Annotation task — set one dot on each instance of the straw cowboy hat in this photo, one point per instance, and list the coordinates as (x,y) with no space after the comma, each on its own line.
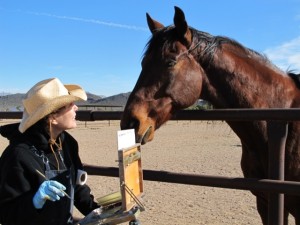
(46,97)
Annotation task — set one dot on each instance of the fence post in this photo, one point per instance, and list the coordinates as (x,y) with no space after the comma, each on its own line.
(277,133)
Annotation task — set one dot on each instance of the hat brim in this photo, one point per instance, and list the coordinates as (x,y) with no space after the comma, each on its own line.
(76,93)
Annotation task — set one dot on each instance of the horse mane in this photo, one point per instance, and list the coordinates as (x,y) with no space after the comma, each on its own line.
(160,39)
(214,43)
(295,77)
(165,37)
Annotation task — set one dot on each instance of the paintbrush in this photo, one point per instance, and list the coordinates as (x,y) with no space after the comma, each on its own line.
(48,179)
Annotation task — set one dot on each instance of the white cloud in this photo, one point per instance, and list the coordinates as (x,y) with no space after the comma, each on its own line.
(286,56)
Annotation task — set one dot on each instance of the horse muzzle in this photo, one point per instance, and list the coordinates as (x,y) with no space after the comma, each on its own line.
(146,136)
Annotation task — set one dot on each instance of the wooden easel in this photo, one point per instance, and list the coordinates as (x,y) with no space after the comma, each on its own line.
(123,206)
(131,177)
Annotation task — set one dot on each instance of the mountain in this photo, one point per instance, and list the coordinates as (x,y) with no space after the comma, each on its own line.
(92,97)
(4,93)
(13,102)
(119,100)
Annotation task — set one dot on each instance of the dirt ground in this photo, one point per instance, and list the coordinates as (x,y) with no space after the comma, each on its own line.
(208,148)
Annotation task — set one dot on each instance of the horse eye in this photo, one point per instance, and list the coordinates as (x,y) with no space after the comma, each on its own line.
(171,63)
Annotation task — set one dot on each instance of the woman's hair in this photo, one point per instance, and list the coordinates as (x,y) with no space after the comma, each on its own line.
(42,125)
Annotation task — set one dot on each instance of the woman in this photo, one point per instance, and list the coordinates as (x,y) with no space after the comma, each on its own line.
(38,169)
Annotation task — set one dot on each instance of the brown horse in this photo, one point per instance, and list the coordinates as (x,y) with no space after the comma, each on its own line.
(182,64)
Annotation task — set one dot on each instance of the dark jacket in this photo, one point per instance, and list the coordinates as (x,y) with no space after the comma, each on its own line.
(19,180)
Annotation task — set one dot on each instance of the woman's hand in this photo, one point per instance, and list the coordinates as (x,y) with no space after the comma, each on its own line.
(48,190)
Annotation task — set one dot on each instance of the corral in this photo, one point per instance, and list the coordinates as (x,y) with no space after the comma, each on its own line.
(198,147)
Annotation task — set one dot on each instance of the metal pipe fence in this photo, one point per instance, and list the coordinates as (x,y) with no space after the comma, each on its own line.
(214,114)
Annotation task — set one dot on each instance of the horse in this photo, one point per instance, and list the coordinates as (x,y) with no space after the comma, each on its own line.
(181,65)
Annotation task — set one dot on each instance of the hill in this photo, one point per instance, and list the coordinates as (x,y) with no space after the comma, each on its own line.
(119,100)
(13,102)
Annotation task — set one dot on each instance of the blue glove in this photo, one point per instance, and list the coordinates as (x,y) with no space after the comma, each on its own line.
(48,190)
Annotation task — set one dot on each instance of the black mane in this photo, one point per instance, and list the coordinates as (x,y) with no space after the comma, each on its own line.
(295,77)
(215,42)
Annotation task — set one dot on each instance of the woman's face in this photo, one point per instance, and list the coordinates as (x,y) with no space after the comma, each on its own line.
(64,119)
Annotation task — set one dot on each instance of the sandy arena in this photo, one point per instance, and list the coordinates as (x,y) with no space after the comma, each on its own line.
(208,148)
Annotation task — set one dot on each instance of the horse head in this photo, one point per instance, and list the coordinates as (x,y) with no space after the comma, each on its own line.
(170,79)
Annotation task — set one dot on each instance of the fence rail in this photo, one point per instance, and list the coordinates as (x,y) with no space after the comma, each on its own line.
(267,185)
(215,114)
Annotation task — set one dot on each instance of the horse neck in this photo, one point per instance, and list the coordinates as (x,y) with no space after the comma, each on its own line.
(233,79)
(236,80)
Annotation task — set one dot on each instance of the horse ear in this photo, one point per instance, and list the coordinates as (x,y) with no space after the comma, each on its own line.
(182,26)
(153,25)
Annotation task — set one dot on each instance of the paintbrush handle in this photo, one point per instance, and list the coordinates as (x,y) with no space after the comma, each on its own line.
(41,174)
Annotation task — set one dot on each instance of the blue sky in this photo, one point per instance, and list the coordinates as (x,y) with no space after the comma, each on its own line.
(99,44)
